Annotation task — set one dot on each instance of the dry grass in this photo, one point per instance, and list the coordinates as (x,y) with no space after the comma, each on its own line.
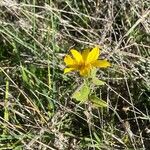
(37,111)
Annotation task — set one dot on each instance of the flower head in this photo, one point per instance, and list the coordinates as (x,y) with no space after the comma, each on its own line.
(85,61)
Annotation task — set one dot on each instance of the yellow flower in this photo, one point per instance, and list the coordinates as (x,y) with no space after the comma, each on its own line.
(85,61)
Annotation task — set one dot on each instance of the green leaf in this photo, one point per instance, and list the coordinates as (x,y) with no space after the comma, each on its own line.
(82,94)
(96,81)
(97,102)
(93,73)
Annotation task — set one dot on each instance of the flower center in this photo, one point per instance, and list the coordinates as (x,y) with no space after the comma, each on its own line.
(84,66)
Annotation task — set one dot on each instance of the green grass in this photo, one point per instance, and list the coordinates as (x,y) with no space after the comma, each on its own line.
(36,108)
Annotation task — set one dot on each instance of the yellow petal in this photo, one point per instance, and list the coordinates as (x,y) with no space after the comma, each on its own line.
(66,70)
(85,53)
(77,56)
(93,55)
(101,63)
(68,60)
(84,72)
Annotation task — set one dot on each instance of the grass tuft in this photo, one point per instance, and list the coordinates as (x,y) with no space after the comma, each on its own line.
(36,106)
